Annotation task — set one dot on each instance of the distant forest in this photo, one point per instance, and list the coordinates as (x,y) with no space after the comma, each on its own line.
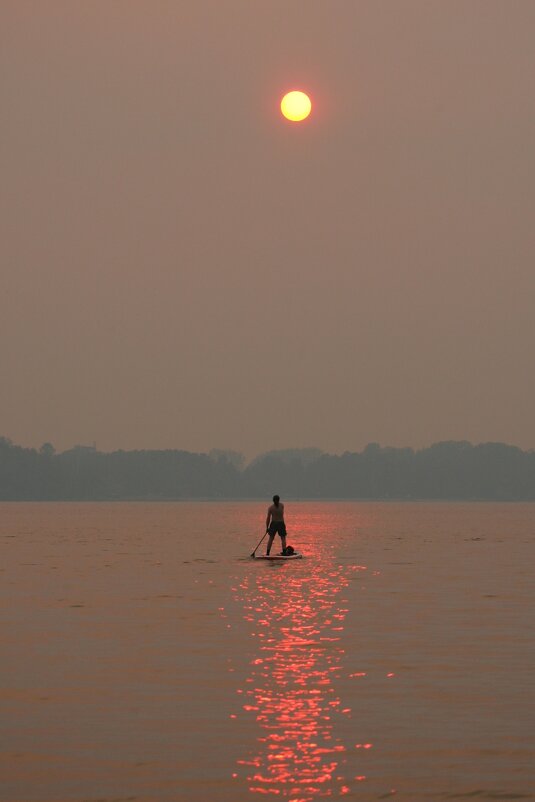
(448,470)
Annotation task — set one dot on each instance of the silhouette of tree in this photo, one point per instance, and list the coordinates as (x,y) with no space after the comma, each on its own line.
(447,470)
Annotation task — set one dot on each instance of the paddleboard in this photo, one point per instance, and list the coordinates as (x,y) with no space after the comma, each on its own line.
(295,556)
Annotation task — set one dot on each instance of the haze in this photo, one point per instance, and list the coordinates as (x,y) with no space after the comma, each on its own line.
(181,268)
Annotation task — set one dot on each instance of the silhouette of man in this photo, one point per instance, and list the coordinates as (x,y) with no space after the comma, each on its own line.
(275,523)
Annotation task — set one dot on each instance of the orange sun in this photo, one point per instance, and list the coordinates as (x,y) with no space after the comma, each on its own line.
(296,106)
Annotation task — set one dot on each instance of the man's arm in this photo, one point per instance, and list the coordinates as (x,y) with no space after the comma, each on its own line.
(268,519)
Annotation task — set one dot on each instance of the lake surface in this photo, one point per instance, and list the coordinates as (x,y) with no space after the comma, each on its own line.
(147,657)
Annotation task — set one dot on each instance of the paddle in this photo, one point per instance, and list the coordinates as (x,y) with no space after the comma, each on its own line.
(259,542)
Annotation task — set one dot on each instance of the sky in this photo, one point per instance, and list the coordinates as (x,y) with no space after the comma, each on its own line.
(182,268)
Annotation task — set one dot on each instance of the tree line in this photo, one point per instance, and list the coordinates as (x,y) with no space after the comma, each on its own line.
(447,470)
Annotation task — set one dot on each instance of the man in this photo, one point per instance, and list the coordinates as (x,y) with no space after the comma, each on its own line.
(275,523)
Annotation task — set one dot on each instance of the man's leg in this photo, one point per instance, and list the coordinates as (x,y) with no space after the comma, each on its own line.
(282,532)
(270,543)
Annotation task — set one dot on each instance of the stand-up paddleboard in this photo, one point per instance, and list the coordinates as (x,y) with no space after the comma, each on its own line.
(295,556)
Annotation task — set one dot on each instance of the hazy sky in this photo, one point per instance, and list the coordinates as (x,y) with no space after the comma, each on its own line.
(182,268)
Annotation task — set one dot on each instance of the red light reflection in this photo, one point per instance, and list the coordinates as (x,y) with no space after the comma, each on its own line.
(297,612)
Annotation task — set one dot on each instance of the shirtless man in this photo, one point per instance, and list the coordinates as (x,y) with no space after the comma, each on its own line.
(275,523)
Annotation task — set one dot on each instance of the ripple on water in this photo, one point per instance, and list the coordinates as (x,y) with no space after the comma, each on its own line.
(297,618)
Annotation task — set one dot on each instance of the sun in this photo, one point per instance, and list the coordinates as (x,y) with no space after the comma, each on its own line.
(296,106)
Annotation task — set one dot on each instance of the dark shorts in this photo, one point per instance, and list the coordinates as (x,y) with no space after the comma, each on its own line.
(277,528)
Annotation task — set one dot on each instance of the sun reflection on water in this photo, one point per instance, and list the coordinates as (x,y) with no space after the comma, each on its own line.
(297,612)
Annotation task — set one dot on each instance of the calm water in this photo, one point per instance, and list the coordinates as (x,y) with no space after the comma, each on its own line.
(146,658)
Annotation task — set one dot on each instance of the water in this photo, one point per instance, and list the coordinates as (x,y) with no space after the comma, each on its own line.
(146,657)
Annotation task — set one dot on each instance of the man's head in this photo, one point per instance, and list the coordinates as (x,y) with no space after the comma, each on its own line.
(276,500)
